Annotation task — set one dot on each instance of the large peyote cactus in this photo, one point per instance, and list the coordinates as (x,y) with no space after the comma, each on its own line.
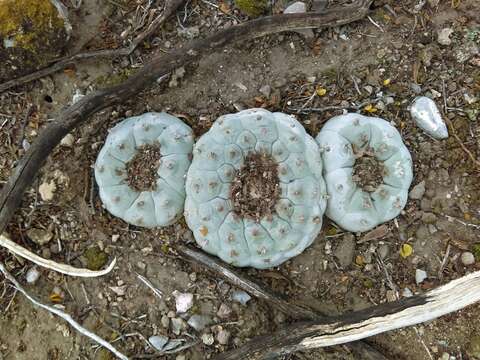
(255,192)
(141,169)
(367,169)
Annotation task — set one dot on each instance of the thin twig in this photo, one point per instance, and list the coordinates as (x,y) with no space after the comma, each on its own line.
(328,108)
(61,314)
(156,291)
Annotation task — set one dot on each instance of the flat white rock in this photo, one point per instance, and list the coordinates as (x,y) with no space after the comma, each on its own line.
(420,275)
(183,301)
(426,115)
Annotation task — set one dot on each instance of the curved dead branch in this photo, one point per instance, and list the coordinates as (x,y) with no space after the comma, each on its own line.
(52,265)
(28,166)
(349,327)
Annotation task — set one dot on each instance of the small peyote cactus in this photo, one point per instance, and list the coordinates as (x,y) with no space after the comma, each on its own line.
(141,169)
(255,192)
(367,169)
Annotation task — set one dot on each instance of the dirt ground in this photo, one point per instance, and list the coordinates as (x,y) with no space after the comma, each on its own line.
(378,65)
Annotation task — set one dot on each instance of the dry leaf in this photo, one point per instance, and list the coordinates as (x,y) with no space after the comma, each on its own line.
(406,250)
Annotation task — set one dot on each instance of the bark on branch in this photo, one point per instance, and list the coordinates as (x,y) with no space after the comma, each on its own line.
(361,349)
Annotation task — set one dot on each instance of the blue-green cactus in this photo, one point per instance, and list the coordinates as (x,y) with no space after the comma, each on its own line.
(343,140)
(161,204)
(297,216)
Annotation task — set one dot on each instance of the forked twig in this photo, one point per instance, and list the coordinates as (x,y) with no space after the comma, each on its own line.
(62,314)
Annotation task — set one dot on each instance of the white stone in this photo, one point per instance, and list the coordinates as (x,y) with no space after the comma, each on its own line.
(295,8)
(47,190)
(223,336)
(199,322)
(241,297)
(32,275)
(420,276)
(68,140)
(444,36)
(158,342)
(467,258)
(183,301)
(426,115)
(298,8)
(208,339)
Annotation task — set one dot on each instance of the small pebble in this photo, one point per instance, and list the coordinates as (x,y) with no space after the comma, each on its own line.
(32,275)
(224,311)
(39,236)
(345,250)
(295,8)
(223,336)
(420,276)
(417,191)
(47,190)
(445,356)
(177,325)
(266,90)
(444,36)
(383,251)
(208,339)
(407,292)
(429,218)
(199,322)
(241,297)
(165,321)
(426,115)
(183,301)
(158,342)
(68,140)
(467,258)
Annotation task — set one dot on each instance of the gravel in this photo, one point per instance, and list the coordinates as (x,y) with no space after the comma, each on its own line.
(467,258)
(417,191)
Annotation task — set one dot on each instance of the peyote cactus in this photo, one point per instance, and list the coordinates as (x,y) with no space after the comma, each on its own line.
(367,169)
(141,169)
(255,192)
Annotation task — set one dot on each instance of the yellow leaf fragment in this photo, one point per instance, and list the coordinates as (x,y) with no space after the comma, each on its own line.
(406,250)
(321,91)
(387,82)
(370,108)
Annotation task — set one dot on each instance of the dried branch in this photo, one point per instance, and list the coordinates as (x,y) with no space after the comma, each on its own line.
(242,282)
(49,264)
(161,65)
(62,314)
(170,7)
(362,349)
(349,327)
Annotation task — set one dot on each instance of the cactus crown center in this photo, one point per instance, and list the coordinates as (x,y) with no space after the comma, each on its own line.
(368,171)
(142,168)
(256,187)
